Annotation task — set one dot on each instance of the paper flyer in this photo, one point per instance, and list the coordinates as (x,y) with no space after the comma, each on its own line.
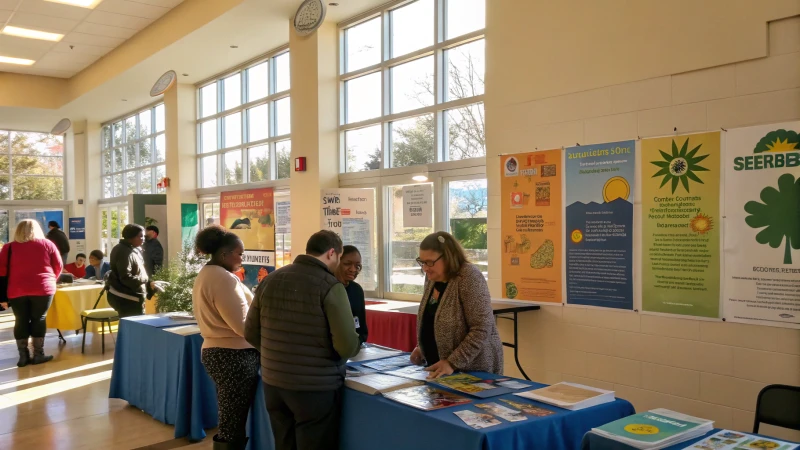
(502,412)
(350,213)
(477,420)
(734,440)
(600,189)
(531,225)
(681,224)
(762,225)
(528,409)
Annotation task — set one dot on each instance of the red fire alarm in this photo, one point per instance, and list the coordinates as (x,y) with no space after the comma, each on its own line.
(300,164)
(163,183)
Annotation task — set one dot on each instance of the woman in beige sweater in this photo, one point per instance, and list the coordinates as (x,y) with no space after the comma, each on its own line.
(220,304)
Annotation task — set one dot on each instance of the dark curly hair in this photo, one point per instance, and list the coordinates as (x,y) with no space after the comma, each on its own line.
(214,239)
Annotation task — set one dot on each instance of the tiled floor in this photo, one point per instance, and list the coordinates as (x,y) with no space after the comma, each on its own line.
(64,404)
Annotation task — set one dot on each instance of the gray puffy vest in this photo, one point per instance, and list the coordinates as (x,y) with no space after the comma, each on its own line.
(296,347)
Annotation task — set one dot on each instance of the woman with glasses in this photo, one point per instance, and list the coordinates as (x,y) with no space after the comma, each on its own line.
(455,324)
(347,272)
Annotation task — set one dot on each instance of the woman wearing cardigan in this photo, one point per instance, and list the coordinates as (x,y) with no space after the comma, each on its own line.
(220,304)
(35,266)
(456,329)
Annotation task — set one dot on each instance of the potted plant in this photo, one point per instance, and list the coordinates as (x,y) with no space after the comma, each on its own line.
(180,274)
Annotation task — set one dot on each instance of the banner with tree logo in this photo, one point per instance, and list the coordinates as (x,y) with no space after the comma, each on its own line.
(762,225)
(531,209)
(681,224)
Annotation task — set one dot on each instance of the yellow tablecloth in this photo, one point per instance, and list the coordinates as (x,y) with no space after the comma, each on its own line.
(69,302)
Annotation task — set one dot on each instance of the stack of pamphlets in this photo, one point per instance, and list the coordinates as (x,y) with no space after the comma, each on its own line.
(471,385)
(655,429)
(570,396)
(378,383)
(413,372)
(182,316)
(373,352)
(734,440)
(426,398)
(183,330)
(389,363)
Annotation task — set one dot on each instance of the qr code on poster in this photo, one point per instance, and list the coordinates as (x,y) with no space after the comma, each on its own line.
(549,170)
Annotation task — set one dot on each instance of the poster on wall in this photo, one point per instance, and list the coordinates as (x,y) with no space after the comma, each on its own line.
(599,182)
(77,228)
(417,207)
(283,217)
(190,223)
(681,224)
(531,208)
(762,225)
(250,214)
(350,213)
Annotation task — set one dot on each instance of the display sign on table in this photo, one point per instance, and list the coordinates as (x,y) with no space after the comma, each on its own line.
(599,182)
(531,227)
(681,224)
(417,206)
(350,213)
(762,225)
(250,214)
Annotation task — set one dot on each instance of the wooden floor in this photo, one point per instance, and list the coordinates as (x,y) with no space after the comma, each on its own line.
(64,404)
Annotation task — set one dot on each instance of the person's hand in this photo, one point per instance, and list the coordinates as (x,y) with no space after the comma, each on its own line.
(4,305)
(440,369)
(416,357)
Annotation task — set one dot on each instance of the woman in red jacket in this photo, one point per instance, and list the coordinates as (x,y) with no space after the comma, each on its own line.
(34,268)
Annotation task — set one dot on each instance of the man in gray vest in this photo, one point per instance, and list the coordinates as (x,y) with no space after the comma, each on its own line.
(301,321)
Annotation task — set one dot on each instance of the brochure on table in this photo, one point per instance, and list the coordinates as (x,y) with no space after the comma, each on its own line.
(655,429)
(370,353)
(426,398)
(734,440)
(570,396)
(378,383)
(472,385)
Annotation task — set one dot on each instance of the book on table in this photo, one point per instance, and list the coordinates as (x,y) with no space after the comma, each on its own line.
(570,396)
(354,370)
(426,397)
(655,429)
(389,363)
(378,383)
(373,352)
(472,385)
(413,372)
(735,440)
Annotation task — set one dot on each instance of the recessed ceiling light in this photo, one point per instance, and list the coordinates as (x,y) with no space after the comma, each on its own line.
(333,4)
(20,61)
(31,34)
(124,99)
(185,74)
(419,178)
(80,3)
(234,46)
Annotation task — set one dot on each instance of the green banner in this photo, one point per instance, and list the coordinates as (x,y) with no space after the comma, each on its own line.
(681,224)
(189,222)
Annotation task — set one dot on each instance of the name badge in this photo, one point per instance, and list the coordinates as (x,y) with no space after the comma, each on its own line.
(355,319)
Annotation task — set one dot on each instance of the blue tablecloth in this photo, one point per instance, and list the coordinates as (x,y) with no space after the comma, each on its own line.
(160,373)
(372,421)
(593,441)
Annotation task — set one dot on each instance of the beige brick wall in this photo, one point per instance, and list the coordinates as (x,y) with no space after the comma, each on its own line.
(705,368)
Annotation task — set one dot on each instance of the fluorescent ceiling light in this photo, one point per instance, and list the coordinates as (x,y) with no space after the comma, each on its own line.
(81,3)
(32,34)
(419,178)
(20,61)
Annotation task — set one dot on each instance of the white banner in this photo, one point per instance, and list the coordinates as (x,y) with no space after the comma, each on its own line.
(762,225)
(417,206)
(350,213)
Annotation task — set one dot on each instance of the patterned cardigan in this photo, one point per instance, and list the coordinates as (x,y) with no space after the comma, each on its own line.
(464,325)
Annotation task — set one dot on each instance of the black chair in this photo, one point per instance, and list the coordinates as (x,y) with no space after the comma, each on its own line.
(103,315)
(779,405)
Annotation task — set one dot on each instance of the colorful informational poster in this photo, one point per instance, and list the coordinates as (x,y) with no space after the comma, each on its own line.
(350,213)
(77,228)
(762,225)
(190,223)
(417,207)
(599,224)
(681,224)
(531,208)
(250,214)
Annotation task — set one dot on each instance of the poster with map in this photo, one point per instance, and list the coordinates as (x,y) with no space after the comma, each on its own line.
(599,224)
(762,225)
(681,224)
(531,225)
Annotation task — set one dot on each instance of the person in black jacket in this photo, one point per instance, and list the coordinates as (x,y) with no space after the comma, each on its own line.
(347,272)
(153,251)
(128,280)
(58,237)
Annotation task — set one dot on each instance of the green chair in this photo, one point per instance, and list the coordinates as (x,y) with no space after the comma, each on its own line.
(102,315)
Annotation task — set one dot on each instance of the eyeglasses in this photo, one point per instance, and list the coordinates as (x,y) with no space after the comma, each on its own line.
(429,263)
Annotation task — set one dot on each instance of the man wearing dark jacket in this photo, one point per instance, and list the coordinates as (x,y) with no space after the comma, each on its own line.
(58,237)
(127,280)
(301,321)
(153,251)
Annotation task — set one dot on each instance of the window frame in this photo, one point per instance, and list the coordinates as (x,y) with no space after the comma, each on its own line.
(272,140)
(440,105)
(10,174)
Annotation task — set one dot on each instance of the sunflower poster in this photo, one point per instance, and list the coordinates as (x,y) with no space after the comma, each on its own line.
(251,215)
(762,225)
(681,224)
(531,225)
(599,224)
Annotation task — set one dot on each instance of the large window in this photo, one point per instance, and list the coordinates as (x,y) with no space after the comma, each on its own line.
(113,219)
(133,153)
(244,125)
(31,166)
(414,99)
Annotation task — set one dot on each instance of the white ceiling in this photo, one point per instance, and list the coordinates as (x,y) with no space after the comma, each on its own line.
(88,33)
